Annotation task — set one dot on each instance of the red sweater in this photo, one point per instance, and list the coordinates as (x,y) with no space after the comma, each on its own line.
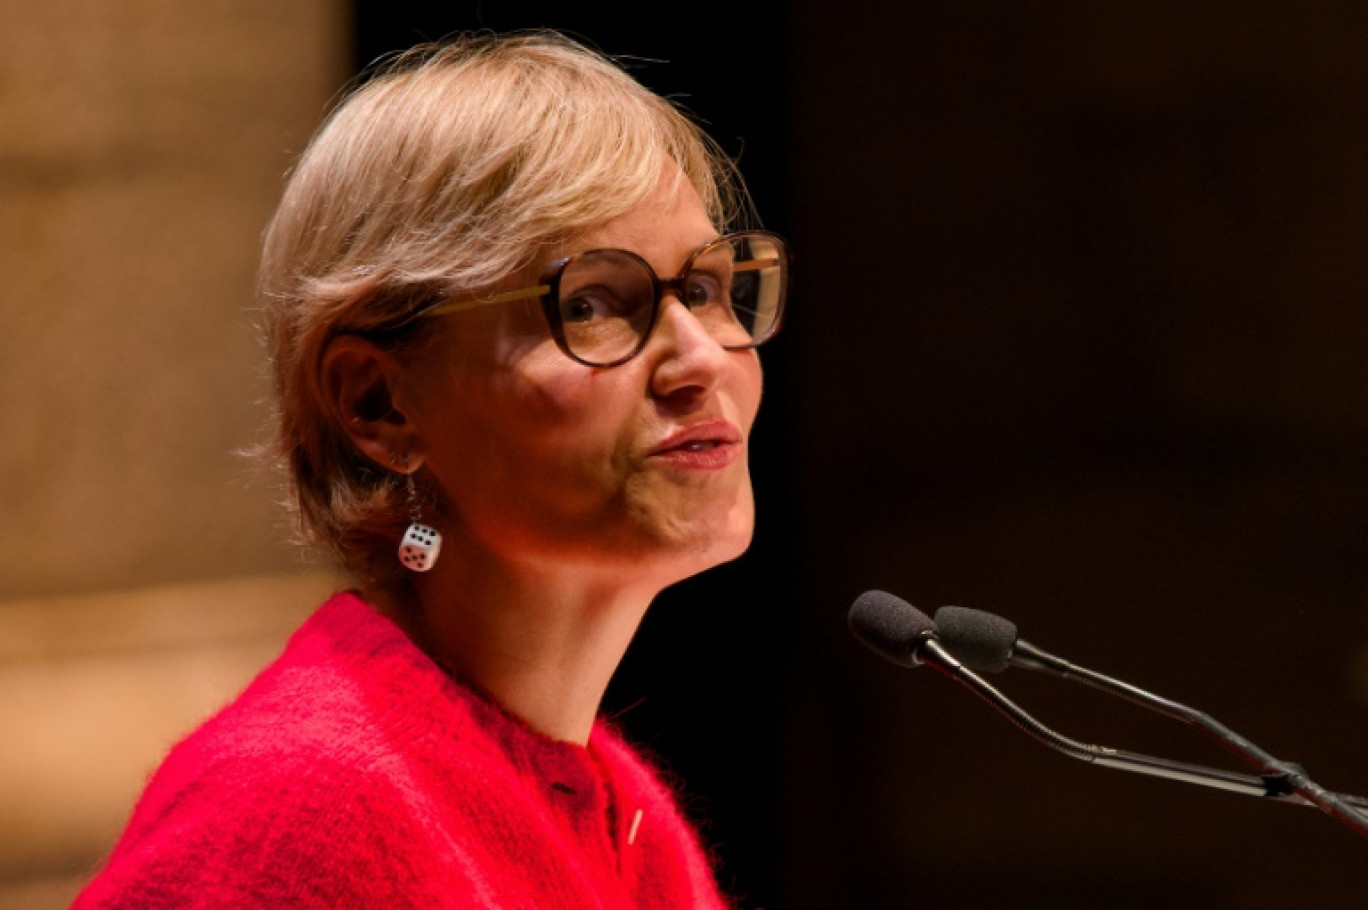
(353,773)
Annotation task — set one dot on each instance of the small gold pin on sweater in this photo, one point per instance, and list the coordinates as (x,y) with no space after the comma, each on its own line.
(632,831)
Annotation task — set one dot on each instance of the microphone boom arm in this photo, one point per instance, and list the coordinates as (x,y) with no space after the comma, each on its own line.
(1281,781)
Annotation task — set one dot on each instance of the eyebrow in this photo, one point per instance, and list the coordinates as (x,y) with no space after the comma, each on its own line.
(541,290)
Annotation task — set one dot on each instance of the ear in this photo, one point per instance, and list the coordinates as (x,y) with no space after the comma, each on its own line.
(361,389)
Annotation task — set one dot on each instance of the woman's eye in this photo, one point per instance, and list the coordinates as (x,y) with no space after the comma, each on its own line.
(578,309)
(587,306)
(701,291)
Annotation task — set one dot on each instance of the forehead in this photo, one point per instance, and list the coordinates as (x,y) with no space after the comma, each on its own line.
(664,228)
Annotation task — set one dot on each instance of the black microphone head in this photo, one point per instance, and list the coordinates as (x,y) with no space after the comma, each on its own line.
(890,626)
(981,641)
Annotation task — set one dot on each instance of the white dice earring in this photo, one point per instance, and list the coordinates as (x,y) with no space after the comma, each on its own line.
(421,544)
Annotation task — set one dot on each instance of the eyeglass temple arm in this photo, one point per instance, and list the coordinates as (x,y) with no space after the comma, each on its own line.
(460,306)
(541,290)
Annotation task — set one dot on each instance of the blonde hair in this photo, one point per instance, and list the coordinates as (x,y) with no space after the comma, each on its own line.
(449,169)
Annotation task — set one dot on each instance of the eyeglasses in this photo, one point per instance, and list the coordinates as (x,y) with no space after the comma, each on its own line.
(602,305)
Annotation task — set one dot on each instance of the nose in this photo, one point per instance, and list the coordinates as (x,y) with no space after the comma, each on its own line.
(688,360)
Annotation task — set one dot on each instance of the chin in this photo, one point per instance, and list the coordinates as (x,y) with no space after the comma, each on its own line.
(720,541)
(680,536)
(737,540)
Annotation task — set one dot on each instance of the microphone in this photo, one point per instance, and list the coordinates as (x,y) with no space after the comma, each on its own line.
(989,644)
(891,627)
(901,633)
(984,641)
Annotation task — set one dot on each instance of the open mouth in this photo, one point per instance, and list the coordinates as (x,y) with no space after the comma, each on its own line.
(707,445)
(700,445)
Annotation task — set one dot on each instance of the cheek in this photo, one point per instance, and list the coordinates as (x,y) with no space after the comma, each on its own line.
(749,387)
(552,394)
(567,417)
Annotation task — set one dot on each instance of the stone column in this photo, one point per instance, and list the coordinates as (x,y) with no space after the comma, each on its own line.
(144,573)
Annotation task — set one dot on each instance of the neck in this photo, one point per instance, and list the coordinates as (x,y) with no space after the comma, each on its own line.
(543,644)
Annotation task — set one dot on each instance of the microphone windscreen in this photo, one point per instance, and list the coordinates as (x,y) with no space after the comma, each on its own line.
(890,626)
(981,641)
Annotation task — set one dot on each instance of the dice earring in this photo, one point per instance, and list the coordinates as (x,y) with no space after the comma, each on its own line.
(421,544)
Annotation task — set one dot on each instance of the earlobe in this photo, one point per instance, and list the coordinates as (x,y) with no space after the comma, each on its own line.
(358,381)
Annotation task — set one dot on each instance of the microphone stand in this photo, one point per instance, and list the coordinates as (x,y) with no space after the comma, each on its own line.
(1281,781)
(1280,778)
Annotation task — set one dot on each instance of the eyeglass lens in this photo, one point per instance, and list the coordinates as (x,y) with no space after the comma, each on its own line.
(734,287)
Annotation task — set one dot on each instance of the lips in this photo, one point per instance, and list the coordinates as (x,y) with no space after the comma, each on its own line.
(707,445)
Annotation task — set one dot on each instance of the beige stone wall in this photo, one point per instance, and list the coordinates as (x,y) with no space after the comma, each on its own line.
(143,574)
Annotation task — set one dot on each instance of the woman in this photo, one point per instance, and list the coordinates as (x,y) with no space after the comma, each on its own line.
(515,362)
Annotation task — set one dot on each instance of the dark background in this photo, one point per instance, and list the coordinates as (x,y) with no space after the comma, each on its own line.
(1077,336)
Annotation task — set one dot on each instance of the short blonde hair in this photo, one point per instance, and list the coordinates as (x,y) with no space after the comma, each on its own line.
(451,168)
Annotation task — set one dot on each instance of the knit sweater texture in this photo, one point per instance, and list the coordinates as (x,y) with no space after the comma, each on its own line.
(354,773)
